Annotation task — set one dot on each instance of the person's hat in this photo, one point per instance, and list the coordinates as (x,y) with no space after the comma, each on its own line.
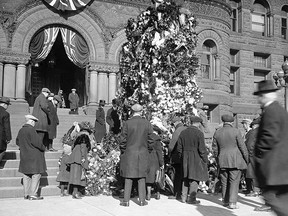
(45,90)
(255,121)
(73,89)
(248,121)
(137,108)
(266,86)
(175,119)
(57,98)
(195,119)
(227,118)
(31,117)
(51,94)
(102,102)
(158,123)
(5,100)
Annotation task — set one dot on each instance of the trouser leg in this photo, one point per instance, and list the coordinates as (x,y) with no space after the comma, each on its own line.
(27,185)
(184,194)
(141,189)
(2,153)
(234,180)
(177,179)
(127,189)
(193,188)
(249,184)
(35,184)
(224,183)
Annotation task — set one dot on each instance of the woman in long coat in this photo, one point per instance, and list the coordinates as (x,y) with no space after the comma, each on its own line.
(100,124)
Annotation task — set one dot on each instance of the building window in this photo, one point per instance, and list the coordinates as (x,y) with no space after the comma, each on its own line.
(284,14)
(235,15)
(209,60)
(234,81)
(234,57)
(261,18)
(259,75)
(262,60)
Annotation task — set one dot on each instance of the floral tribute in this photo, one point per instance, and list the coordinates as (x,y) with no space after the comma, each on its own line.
(159,62)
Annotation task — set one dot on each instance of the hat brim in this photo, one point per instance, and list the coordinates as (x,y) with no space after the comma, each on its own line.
(265,91)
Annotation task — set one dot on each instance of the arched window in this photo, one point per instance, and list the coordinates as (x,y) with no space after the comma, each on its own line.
(284,24)
(261,18)
(209,61)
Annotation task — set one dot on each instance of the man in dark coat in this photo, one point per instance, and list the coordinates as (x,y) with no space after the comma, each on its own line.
(41,112)
(271,149)
(232,156)
(100,123)
(193,153)
(174,157)
(5,128)
(135,139)
(113,118)
(53,101)
(74,101)
(32,161)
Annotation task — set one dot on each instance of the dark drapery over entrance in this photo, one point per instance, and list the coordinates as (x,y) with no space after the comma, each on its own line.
(70,5)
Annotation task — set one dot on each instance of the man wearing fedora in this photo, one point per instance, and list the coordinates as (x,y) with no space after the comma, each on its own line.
(5,128)
(232,158)
(100,123)
(41,112)
(271,149)
(193,154)
(32,161)
(74,102)
(135,139)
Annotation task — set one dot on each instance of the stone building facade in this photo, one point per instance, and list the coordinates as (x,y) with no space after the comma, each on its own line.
(240,42)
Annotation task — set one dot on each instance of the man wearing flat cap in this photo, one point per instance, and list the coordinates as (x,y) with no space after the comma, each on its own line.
(135,139)
(32,160)
(5,128)
(194,158)
(174,156)
(41,112)
(74,102)
(231,153)
(271,148)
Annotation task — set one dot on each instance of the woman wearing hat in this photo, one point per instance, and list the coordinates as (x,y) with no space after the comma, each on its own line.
(100,123)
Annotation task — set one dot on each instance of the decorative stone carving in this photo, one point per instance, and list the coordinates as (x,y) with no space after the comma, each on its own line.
(13,57)
(9,24)
(103,67)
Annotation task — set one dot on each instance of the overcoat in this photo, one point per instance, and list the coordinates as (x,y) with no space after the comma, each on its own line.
(32,160)
(155,159)
(135,139)
(229,148)
(41,111)
(192,150)
(5,128)
(172,147)
(53,120)
(100,124)
(73,100)
(113,120)
(271,149)
(250,144)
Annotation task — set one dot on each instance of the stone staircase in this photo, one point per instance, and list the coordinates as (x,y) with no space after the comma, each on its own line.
(10,178)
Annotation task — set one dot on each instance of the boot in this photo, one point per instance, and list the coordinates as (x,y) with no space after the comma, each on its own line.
(148,196)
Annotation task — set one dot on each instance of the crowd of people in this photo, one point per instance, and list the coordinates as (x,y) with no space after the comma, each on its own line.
(260,155)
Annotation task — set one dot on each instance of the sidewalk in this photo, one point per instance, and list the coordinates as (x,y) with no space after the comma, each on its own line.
(109,206)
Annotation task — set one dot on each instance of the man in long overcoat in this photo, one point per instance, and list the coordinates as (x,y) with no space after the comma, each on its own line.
(32,160)
(232,156)
(271,149)
(100,123)
(135,139)
(41,112)
(193,153)
(74,101)
(5,128)
(53,101)
(113,118)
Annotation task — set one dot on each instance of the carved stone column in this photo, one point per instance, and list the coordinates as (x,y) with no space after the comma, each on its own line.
(112,86)
(20,82)
(218,67)
(93,87)
(1,78)
(9,80)
(102,86)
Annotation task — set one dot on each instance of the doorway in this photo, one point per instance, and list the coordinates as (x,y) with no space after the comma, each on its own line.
(58,72)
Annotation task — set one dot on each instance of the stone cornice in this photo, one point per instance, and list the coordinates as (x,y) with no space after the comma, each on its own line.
(13,57)
(103,67)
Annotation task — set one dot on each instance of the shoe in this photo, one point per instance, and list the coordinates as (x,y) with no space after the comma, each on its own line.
(143,203)
(148,197)
(225,204)
(252,194)
(26,197)
(233,206)
(157,196)
(194,202)
(76,196)
(172,197)
(35,198)
(123,203)
(263,208)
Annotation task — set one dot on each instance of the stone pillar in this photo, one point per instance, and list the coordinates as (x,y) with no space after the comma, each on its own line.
(112,86)
(93,87)
(218,67)
(9,80)
(102,87)
(20,82)
(1,78)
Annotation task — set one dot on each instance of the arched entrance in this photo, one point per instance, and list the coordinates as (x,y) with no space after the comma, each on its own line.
(56,71)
